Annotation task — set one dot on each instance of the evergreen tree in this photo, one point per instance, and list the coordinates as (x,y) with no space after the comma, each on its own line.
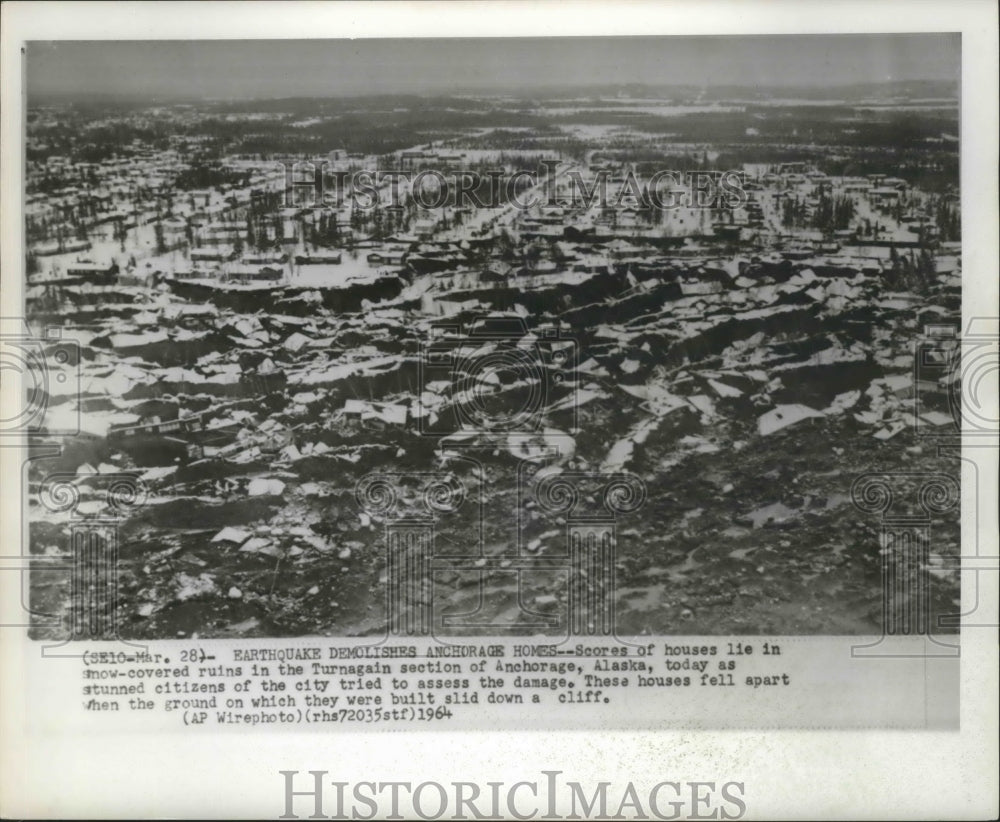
(161,246)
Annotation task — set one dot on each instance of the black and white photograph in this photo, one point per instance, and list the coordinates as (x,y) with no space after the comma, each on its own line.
(586,336)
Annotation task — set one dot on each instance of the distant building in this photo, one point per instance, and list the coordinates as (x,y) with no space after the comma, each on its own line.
(98,273)
(792,168)
(217,254)
(264,259)
(884,196)
(252,273)
(387,257)
(319,258)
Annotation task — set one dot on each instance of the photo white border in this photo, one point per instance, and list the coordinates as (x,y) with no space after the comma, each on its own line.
(789,774)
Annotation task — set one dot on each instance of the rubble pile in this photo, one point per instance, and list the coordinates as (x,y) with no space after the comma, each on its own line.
(746,394)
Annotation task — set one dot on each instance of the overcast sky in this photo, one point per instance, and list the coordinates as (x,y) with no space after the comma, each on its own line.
(283,68)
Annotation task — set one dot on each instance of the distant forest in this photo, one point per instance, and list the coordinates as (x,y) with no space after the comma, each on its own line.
(918,144)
